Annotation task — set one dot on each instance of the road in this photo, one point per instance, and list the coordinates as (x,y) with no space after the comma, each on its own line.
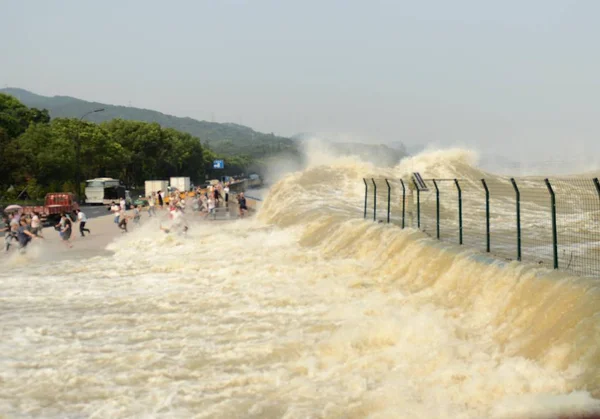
(93,211)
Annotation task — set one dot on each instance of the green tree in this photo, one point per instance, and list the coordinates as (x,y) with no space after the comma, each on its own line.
(15,118)
(44,155)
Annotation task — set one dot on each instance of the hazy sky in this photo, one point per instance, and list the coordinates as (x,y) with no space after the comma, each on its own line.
(518,78)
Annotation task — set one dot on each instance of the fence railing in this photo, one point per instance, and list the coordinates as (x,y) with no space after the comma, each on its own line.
(555,222)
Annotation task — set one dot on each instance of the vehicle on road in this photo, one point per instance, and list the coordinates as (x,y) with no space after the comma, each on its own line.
(104,190)
(142,201)
(182,184)
(54,204)
(153,186)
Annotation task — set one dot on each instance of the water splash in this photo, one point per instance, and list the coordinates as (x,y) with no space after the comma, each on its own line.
(307,311)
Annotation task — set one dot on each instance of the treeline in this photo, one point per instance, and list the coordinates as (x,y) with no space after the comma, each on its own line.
(225,139)
(41,154)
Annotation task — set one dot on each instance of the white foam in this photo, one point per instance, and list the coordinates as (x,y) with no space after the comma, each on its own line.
(307,311)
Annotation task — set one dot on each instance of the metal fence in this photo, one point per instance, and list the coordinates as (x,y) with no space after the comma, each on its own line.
(555,223)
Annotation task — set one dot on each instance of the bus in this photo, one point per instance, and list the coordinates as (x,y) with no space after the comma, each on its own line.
(104,190)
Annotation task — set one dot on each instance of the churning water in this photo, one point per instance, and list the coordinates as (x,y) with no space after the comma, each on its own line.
(306,311)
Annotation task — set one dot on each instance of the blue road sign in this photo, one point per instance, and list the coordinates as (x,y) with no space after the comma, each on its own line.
(218,164)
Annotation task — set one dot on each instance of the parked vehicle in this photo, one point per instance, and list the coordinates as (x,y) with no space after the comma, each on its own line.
(254,181)
(141,201)
(182,184)
(104,190)
(54,204)
(155,186)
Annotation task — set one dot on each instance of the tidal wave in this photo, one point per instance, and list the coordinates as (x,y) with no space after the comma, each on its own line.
(305,311)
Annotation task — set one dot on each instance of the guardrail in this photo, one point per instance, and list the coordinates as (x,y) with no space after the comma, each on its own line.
(551,222)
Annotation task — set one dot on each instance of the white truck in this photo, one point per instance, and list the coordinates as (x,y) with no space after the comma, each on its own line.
(182,184)
(103,190)
(155,186)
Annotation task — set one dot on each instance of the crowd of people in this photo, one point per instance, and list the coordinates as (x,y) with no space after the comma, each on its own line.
(200,201)
(120,216)
(21,229)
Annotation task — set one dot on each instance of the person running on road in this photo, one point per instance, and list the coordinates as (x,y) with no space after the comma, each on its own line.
(24,234)
(36,225)
(6,231)
(203,203)
(82,218)
(61,222)
(66,228)
(115,209)
(151,203)
(137,215)
(161,199)
(226,193)
(123,221)
(14,226)
(216,196)
(242,201)
(211,207)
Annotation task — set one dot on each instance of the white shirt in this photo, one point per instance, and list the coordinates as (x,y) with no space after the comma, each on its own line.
(122,204)
(81,217)
(35,221)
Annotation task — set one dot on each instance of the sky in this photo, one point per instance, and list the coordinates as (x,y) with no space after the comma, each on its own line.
(519,79)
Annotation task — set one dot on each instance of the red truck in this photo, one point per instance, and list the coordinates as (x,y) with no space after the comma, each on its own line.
(54,204)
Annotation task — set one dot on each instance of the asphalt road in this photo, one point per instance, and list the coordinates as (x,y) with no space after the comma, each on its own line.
(93,211)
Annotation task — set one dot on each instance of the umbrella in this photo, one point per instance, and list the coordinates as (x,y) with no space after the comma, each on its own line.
(11,208)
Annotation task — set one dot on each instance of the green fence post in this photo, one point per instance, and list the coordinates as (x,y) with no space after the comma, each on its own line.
(554,227)
(460,220)
(518,199)
(403,201)
(366,192)
(487,215)
(389,195)
(418,204)
(374,200)
(437,209)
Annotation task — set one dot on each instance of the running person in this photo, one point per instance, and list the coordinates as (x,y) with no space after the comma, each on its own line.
(226,192)
(24,234)
(123,221)
(82,218)
(65,230)
(217,196)
(211,207)
(115,209)
(36,225)
(151,203)
(137,215)
(161,199)
(7,233)
(242,201)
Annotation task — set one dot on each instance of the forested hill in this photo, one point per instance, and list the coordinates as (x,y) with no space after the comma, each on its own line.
(224,139)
